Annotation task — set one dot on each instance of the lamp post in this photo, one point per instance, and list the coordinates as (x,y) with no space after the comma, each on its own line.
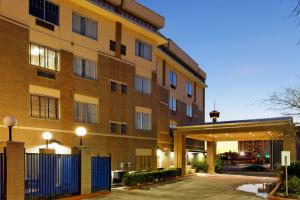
(47,136)
(80,132)
(10,122)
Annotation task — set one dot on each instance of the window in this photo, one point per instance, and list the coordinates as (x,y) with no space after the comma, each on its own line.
(143,121)
(143,50)
(85,68)
(123,89)
(189,89)
(123,128)
(189,111)
(85,112)
(44,57)
(112,47)
(123,50)
(173,79)
(113,86)
(142,84)
(172,104)
(85,26)
(44,10)
(43,107)
(113,127)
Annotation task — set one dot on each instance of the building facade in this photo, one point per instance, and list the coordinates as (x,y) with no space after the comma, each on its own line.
(101,64)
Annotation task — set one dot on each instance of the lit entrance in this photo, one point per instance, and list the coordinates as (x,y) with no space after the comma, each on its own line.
(279,131)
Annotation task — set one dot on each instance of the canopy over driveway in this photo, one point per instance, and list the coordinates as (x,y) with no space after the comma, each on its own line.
(241,130)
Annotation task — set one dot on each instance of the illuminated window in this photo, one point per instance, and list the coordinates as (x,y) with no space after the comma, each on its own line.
(44,57)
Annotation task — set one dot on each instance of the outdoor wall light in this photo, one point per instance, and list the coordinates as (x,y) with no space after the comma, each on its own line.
(47,136)
(10,121)
(80,132)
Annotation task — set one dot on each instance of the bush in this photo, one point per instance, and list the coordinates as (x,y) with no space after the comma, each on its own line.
(293,170)
(294,185)
(149,177)
(200,166)
(218,165)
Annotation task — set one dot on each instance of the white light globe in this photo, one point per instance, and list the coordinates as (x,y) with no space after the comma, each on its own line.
(9,121)
(80,131)
(47,135)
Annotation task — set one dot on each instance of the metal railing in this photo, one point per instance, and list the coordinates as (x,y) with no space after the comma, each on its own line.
(2,176)
(101,174)
(51,175)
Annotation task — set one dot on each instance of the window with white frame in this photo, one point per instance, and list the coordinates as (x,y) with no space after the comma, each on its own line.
(85,68)
(44,57)
(143,121)
(85,26)
(86,112)
(172,79)
(189,89)
(142,84)
(143,50)
(172,104)
(189,111)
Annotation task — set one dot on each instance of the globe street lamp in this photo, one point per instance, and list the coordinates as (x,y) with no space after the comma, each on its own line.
(80,132)
(47,136)
(10,121)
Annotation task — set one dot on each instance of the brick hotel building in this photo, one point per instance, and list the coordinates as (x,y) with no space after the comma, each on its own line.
(101,64)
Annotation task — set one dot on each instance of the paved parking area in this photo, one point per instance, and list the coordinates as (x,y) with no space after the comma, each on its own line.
(198,187)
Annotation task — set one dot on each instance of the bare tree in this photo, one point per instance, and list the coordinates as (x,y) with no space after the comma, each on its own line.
(287,101)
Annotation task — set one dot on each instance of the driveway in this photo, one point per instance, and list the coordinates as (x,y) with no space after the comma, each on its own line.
(198,187)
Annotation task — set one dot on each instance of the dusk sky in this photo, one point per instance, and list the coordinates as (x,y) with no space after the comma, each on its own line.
(247,48)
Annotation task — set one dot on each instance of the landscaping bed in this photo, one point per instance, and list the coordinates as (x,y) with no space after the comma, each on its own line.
(140,178)
(293,184)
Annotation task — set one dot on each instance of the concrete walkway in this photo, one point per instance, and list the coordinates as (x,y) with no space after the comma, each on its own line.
(198,187)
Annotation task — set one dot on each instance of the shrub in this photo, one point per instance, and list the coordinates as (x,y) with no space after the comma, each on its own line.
(149,177)
(218,165)
(200,166)
(293,170)
(294,185)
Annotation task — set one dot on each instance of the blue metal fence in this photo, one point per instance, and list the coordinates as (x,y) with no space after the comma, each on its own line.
(101,174)
(51,175)
(2,176)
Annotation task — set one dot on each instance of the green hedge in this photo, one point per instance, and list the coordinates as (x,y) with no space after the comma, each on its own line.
(149,177)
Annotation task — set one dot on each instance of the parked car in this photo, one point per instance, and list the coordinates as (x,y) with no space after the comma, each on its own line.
(254,167)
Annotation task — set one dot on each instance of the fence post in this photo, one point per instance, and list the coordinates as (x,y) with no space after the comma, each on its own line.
(15,170)
(85,169)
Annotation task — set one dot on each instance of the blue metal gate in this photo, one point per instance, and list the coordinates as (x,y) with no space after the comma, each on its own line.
(101,174)
(51,175)
(2,176)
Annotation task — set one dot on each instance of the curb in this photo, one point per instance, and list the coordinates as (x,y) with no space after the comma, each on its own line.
(85,196)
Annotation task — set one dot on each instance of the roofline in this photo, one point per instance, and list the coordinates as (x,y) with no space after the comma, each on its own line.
(234,122)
